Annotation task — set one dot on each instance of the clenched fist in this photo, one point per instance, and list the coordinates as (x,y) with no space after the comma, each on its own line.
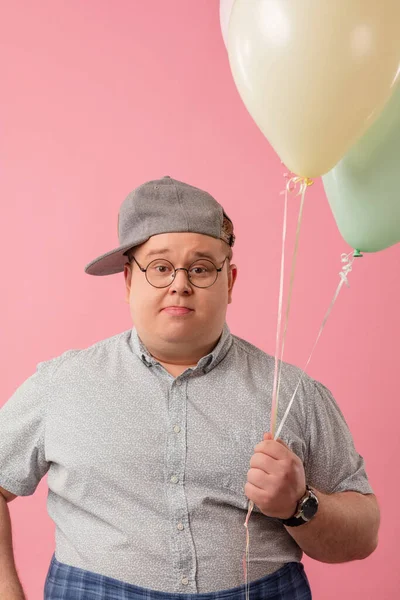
(276,480)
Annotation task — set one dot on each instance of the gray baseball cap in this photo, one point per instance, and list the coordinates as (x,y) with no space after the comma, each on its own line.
(163,206)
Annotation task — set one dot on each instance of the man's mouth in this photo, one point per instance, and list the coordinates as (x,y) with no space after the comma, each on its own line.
(177,310)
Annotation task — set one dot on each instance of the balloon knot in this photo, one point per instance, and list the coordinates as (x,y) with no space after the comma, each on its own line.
(347,267)
(298,184)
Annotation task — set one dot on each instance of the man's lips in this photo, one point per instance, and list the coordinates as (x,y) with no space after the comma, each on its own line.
(177,310)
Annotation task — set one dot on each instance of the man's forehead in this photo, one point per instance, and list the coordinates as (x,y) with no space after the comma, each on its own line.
(195,244)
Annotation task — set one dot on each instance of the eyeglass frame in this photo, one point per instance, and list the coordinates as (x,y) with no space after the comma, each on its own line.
(180,269)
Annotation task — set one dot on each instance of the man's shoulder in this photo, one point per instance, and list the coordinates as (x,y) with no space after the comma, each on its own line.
(258,356)
(96,353)
(244,347)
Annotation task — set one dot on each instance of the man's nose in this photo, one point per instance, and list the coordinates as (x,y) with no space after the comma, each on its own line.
(181,281)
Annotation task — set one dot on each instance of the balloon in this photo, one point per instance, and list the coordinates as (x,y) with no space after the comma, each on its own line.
(225,9)
(363,189)
(314,74)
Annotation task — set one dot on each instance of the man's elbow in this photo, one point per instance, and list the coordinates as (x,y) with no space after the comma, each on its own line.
(345,553)
(365,550)
(371,542)
(368,549)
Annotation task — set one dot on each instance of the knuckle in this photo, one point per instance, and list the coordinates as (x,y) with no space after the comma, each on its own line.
(253,460)
(251,475)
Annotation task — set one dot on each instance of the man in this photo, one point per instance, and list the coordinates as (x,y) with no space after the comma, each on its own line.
(154,439)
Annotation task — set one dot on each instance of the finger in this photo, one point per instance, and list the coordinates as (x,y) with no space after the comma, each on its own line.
(273,449)
(254,493)
(283,444)
(258,478)
(265,463)
(269,436)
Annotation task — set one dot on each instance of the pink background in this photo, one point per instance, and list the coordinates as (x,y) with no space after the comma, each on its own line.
(97,97)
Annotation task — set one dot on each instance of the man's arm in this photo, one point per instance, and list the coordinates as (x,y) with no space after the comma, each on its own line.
(346,524)
(345,528)
(10,586)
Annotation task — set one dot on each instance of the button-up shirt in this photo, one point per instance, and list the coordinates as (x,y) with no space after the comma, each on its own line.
(146,471)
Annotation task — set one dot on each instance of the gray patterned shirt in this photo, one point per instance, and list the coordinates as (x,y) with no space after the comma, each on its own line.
(146,472)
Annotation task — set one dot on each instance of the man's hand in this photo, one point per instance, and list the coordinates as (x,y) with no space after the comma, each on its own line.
(346,525)
(276,480)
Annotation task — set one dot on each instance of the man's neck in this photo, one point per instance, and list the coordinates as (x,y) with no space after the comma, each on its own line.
(175,370)
(177,359)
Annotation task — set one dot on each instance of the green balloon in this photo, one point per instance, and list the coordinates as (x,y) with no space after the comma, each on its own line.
(363,189)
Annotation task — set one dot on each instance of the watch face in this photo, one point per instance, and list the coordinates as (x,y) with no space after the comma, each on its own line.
(310,507)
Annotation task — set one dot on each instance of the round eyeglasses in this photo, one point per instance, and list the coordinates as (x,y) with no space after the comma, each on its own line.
(160,273)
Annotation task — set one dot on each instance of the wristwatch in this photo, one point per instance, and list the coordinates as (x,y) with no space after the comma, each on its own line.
(306,510)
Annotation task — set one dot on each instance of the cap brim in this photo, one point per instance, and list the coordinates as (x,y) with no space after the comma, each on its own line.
(109,263)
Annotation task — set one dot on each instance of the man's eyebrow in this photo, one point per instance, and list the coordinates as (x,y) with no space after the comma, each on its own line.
(196,254)
(156,252)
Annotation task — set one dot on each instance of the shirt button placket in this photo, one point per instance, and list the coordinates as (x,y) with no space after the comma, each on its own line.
(185,562)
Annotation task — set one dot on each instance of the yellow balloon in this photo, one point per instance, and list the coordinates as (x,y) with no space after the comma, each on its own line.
(314,74)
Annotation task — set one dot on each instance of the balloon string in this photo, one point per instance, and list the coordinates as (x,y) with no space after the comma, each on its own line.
(246,557)
(279,319)
(301,183)
(346,269)
(290,187)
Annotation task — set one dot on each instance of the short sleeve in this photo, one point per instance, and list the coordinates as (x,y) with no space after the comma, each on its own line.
(22,425)
(332,463)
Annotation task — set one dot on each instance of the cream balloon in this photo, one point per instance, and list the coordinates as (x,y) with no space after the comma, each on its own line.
(314,74)
(225,9)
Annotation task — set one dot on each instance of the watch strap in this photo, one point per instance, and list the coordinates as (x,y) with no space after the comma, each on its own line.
(298,519)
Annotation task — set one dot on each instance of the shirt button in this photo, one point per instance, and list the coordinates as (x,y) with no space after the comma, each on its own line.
(185,580)
(180,526)
(177,428)
(174,479)
(178,382)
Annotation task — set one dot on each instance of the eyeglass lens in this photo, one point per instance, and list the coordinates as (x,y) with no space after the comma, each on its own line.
(161,273)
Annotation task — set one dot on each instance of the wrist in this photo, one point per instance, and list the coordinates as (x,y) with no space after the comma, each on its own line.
(306,509)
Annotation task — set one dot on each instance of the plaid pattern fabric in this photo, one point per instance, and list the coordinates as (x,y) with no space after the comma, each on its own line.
(65,582)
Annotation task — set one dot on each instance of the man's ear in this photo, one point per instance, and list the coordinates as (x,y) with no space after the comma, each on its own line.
(232,275)
(128,280)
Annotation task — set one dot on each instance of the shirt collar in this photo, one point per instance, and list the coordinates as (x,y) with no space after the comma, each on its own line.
(205,364)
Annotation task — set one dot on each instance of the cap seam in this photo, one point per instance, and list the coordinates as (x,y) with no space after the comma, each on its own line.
(181,205)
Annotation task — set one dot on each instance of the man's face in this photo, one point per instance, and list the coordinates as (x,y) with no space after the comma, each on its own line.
(150,307)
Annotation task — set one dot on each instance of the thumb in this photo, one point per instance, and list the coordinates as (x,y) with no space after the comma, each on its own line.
(269,436)
(282,443)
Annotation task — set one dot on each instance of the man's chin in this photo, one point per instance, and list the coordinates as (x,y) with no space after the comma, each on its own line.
(180,332)
(178,337)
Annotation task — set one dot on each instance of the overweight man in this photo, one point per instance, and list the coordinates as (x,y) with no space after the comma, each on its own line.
(154,440)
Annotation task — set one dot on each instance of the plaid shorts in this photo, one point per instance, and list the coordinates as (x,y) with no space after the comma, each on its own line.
(70,583)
